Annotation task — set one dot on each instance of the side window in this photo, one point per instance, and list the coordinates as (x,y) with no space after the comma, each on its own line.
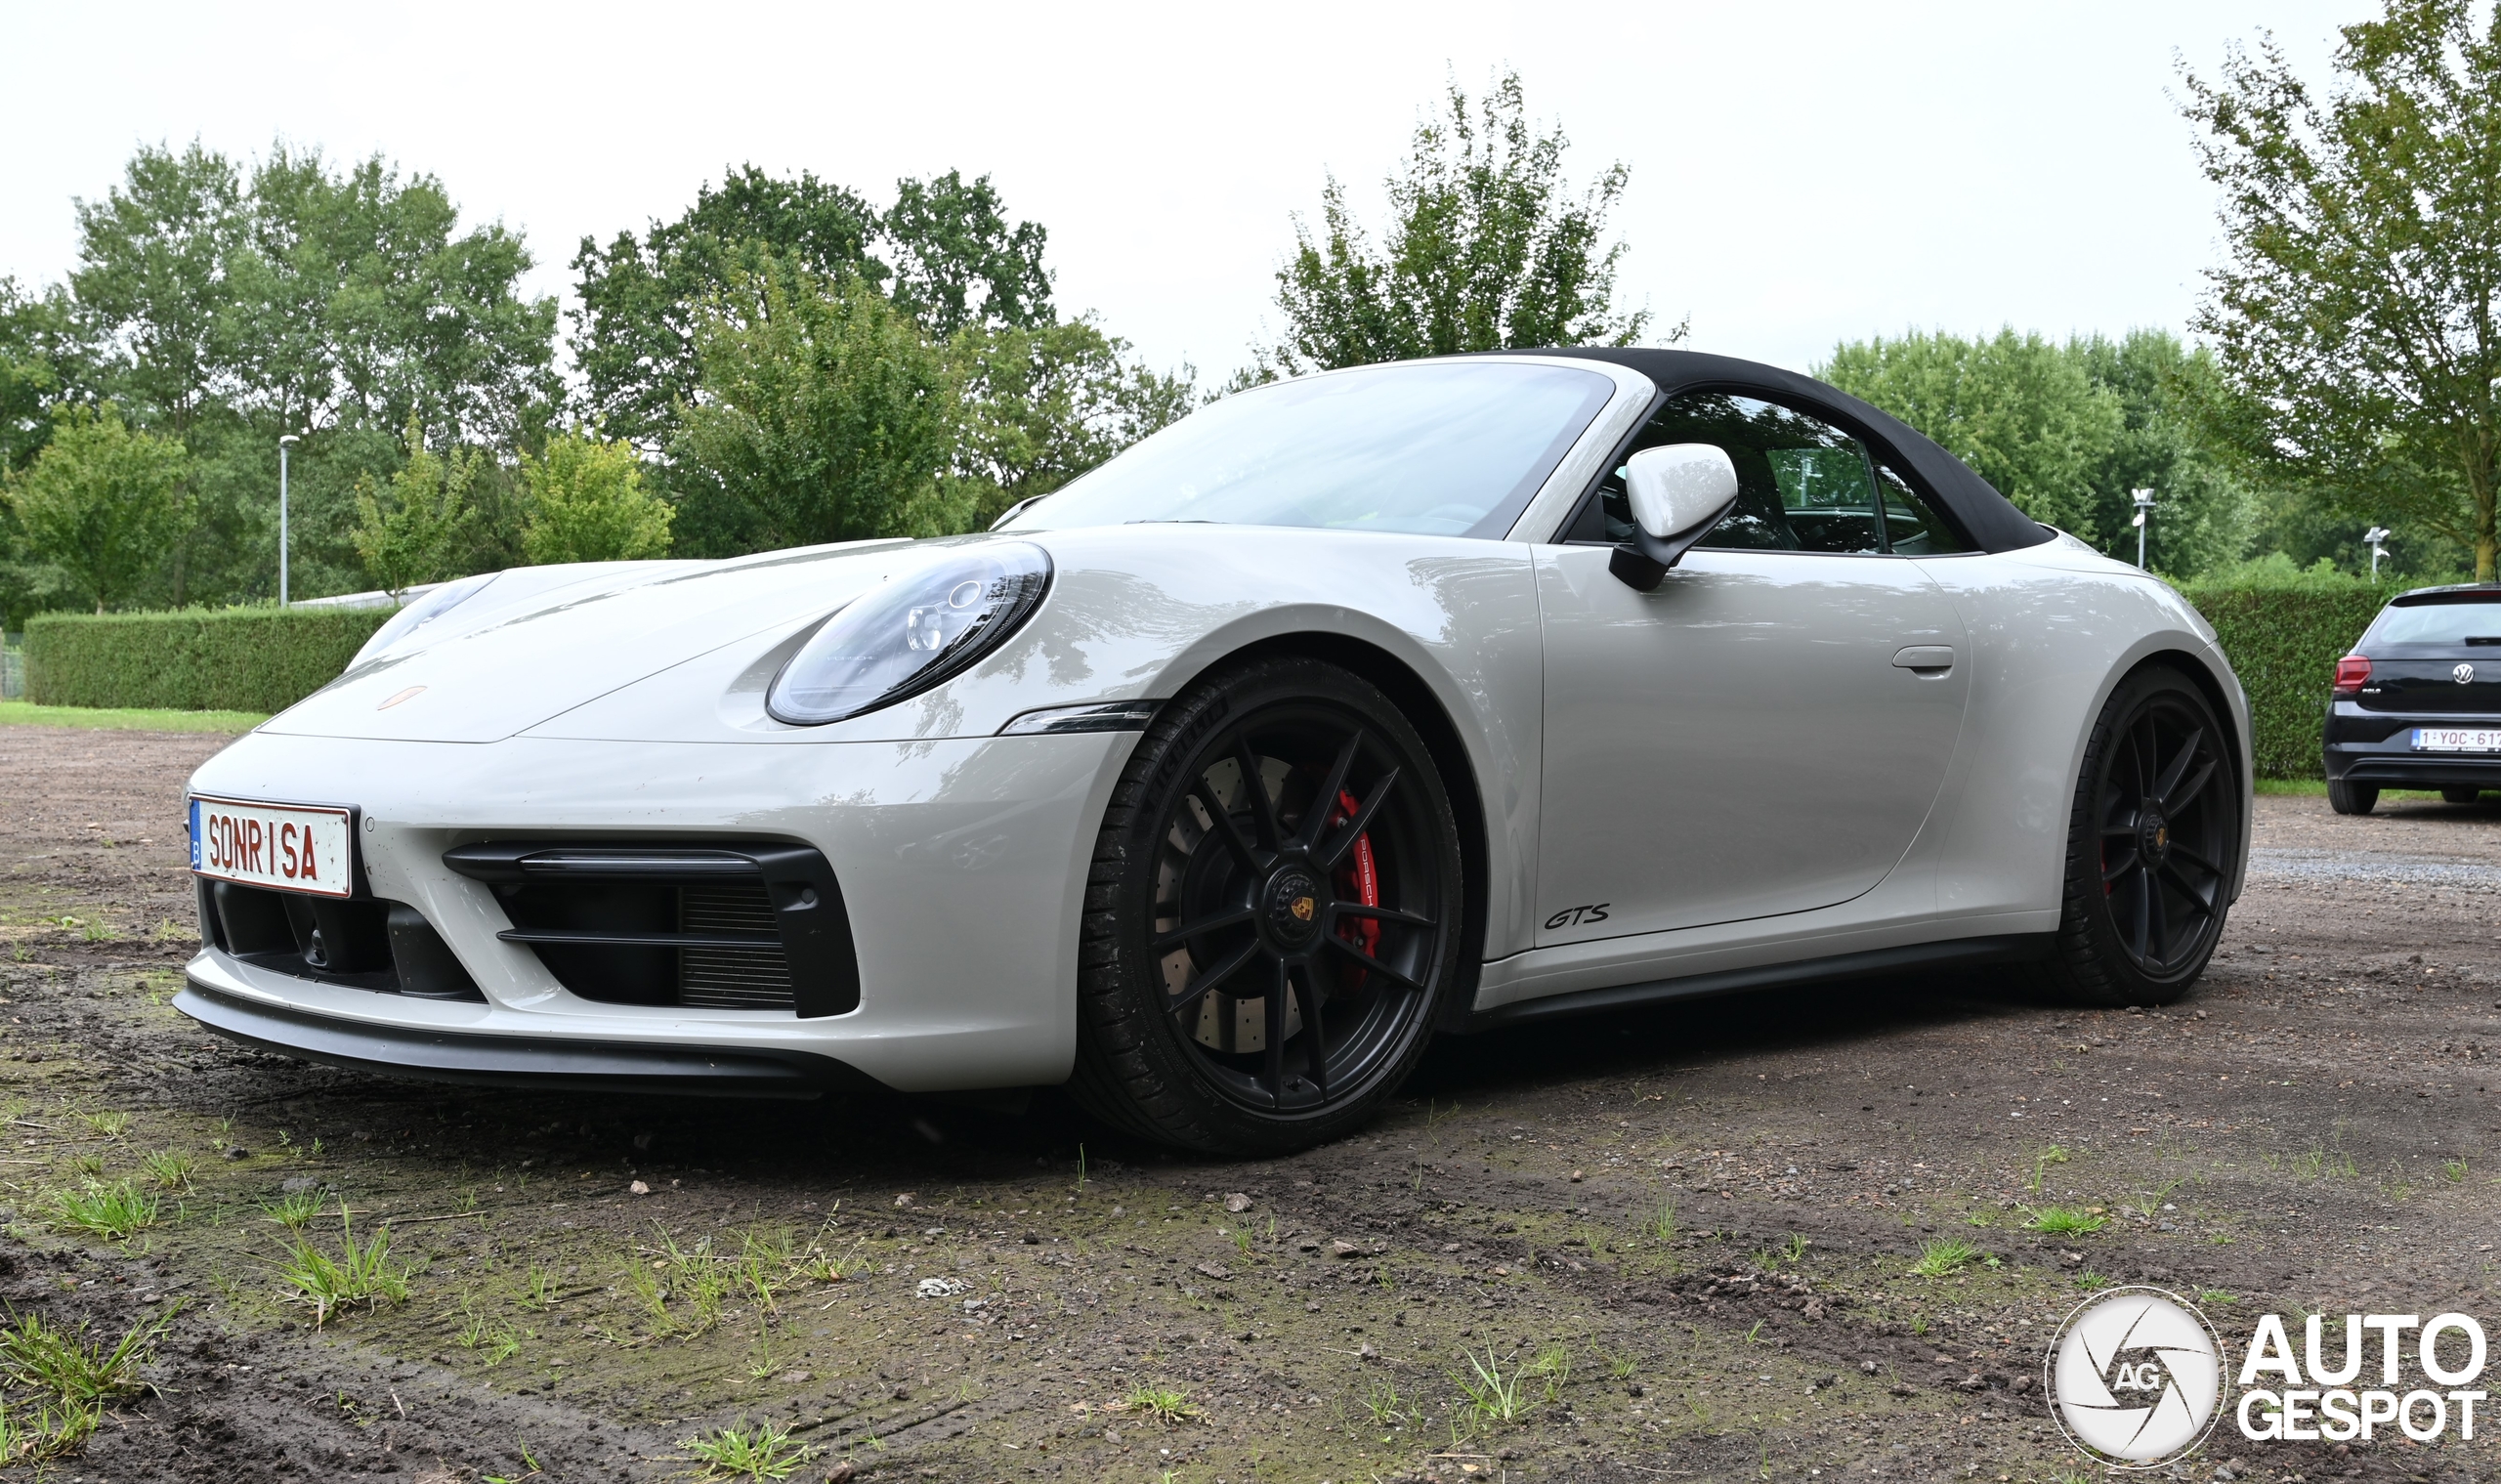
(1802,485)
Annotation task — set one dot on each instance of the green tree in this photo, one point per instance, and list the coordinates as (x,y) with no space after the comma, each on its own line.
(644,298)
(410,529)
(101,501)
(587,503)
(1487,249)
(2070,432)
(2017,409)
(1043,405)
(2355,316)
(227,305)
(824,414)
(957,263)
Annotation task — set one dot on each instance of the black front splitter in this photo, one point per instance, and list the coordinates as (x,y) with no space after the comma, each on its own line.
(513,1061)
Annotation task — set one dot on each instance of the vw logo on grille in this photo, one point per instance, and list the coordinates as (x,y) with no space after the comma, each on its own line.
(2463,674)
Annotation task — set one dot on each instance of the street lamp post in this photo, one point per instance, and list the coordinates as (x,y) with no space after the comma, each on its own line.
(282,443)
(2377,537)
(2144,520)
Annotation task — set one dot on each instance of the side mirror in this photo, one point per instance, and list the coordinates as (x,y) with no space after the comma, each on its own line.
(1677,493)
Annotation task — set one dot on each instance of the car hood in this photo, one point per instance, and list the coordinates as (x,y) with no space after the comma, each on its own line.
(511,667)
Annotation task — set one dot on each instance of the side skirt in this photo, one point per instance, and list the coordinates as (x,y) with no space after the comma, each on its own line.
(1956,953)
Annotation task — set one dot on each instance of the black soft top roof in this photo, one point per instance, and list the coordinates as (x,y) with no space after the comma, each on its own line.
(1971,501)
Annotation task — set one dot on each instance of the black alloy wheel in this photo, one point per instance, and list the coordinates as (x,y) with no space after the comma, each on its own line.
(2152,846)
(1271,916)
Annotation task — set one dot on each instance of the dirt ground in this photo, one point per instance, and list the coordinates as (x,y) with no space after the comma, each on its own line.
(1670,1245)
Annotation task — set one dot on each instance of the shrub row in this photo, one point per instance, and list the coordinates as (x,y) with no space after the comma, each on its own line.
(2283,641)
(193,659)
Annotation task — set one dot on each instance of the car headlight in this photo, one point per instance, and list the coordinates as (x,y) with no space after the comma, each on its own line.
(910,634)
(421,612)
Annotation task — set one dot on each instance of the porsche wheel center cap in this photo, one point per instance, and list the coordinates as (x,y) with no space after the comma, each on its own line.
(1292,906)
(2153,837)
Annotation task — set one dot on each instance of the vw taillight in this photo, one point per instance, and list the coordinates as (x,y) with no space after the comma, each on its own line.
(2353,672)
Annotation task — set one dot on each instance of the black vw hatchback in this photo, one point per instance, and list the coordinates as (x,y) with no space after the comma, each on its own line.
(2418,703)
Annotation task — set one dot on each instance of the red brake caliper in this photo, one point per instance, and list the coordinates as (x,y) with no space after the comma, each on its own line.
(1361,881)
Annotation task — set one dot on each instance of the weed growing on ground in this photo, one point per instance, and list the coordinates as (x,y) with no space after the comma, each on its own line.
(2063,1221)
(761,1451)
(360,1276)
(1661,1225)
(1944,1257)
(491,1335)
(89,1165)
(2216,1295)
(293,1210)
(73,1368)
(112,1211)
(2454,1170)
(1160,1403)
(2091,1281)
(2042,1158)
(539,1291)
(1553,1365)
(1387,1408)
(171,1168)
(1796,1249)
(110,1123)
(1491,1395)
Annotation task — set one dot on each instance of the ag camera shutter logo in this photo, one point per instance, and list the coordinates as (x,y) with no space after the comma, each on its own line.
(2136,1377)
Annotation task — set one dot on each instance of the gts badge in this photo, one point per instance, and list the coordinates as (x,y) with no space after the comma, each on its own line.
(1579,916)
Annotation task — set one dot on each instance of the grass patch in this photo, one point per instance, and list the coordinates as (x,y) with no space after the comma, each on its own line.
(293,1210)
(1944,1257)
(171,1168)
(360,1276)
(111,1211)
(1493,1396)
(2060,1221)
(761,1451)
(73,1368)
(23,714)
(1161,1404)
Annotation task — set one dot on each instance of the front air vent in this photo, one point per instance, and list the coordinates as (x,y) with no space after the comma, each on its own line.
(361,943)
(707,925)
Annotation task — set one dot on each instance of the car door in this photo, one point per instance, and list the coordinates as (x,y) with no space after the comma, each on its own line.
(1766,731)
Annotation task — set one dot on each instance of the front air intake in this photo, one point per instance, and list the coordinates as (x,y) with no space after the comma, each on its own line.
(725,925)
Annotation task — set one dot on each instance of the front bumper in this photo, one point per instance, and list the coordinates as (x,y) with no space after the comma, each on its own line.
(2376,749)
(962,864)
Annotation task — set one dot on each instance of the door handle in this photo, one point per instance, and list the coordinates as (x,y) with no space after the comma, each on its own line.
(1924,658)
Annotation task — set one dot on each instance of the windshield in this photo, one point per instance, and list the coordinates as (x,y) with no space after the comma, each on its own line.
(1450,448)
(2471,622)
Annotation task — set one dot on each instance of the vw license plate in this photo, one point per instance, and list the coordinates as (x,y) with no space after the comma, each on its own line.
(2456,739)
(293,847)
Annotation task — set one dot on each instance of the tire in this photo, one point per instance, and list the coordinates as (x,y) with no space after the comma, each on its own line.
(1237,992)
(2351,798)
(2460,795)
(2150,841)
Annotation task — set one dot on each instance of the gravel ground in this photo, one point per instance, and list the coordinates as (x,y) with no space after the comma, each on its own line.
(1670,1245)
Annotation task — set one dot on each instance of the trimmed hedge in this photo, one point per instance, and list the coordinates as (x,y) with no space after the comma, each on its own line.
(2283,641)
(195,659)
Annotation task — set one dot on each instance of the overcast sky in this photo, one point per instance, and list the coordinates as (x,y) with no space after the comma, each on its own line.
(1800,174)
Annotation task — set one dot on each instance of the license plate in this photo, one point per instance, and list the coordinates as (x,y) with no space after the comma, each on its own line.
(2456,739)
(293,847)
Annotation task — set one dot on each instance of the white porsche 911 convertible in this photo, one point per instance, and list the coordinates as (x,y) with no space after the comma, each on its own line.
(1433,697)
